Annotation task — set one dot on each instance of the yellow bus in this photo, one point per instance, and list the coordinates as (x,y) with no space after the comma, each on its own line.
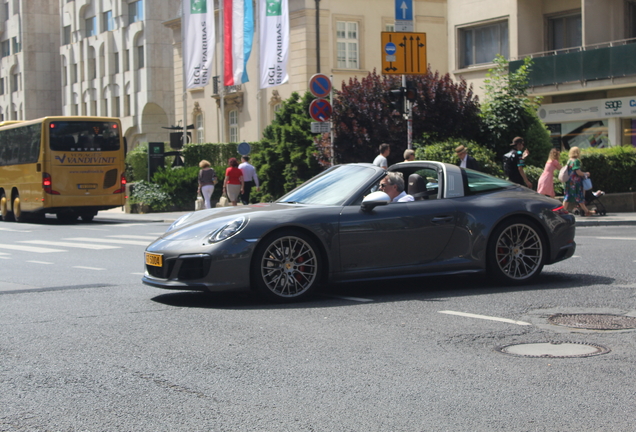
(69,166)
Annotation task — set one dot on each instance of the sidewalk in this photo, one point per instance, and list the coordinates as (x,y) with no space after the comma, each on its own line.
(118,214)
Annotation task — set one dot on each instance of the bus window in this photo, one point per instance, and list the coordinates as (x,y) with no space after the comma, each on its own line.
(83,136)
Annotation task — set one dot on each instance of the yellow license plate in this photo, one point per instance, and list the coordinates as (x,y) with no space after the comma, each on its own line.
(155,260)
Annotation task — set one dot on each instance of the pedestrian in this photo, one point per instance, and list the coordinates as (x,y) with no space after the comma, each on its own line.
(573,189)
(233,184)
(207,180)
(514,163)
(250,179)
(380,159)
(409,155)
(546,181)
(465,160)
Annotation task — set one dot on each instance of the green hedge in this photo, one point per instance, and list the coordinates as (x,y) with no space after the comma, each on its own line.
(611,169)
(445,152)
(137,163)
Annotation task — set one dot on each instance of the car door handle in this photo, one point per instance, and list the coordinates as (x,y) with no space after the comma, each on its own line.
(442,219)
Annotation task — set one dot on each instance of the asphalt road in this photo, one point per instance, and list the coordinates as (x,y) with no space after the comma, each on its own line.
(85,346)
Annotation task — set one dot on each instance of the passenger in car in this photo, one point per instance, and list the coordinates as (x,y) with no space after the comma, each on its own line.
(393,186)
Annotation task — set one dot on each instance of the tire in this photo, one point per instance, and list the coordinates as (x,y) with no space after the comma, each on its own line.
(5,214)
(87,217)
(286,266)
(18,215)
(516,252)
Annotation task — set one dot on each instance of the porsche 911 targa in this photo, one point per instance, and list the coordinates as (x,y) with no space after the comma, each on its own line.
(339,226)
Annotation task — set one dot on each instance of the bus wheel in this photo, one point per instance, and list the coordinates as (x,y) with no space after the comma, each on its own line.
(4,208)
(87,217)
(17,210)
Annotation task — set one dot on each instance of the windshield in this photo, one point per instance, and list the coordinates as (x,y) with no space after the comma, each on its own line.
(84,136)
(333,187)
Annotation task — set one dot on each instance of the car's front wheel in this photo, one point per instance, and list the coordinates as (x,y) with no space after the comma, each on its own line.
(516,252)
(287,266)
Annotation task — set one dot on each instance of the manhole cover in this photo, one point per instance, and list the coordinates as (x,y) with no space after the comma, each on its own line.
(594,321)
(554,349)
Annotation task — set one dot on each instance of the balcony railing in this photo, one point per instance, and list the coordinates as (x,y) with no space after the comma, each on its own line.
(603,61)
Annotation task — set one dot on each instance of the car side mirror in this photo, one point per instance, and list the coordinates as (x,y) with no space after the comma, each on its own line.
(374,199)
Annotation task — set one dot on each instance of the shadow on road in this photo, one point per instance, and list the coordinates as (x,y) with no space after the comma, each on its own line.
(346,294)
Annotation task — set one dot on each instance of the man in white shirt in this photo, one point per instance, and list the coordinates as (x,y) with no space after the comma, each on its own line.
(393,186)
(250,179)
(380,160)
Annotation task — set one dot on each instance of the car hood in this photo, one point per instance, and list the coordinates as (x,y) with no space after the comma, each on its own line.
(203,222)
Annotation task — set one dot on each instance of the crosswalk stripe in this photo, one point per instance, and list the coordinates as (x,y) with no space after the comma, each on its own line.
(40,262)
(26,248)
(135,237)
(12,230)
(103,240)
(71,245)
(88,268)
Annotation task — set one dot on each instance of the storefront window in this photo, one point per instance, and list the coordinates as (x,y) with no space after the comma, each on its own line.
(629,132)
(581,134)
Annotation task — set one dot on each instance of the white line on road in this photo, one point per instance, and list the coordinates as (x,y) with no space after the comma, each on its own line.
(30,248)
(40,262)
(138,274)
(3,257)
(358,299)
(135,237)
(88,268)
(71,245)
(606,238)
(12,230)
(485,317)
(102,240)
(90,229)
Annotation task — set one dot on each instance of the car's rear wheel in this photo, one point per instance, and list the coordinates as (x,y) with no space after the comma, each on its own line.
(516,252)
(287,266)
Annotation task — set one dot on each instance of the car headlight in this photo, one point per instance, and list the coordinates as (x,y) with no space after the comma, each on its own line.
(227,230)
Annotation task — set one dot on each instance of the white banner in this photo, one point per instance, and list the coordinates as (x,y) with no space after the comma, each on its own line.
(197,41)
(274,42)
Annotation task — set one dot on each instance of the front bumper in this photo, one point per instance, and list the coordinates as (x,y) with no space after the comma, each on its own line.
(224,267)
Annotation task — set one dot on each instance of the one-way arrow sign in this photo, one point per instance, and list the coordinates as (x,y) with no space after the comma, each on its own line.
(404,10)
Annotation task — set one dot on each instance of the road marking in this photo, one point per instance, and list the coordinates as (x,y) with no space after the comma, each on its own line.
(485,317)
(12,230)
(135,237)
(31,248)
(71,245)
(102,240)
(358,299)
(139,274)
(607,238)
(3,257)
(90,229)
(88,268)
(39,262)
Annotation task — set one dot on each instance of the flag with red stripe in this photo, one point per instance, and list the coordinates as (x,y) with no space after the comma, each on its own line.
(238,34)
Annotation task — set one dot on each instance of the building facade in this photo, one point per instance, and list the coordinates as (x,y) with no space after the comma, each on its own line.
(116,60)
(341,39)
(30,63)
(583,53)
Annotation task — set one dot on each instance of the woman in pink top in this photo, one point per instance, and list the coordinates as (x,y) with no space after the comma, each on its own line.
(546,181)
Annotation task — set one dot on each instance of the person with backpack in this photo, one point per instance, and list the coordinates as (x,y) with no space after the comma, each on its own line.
(514,163)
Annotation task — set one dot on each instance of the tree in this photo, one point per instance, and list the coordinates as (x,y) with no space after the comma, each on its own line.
(286,157)
(508,112)
(363,117)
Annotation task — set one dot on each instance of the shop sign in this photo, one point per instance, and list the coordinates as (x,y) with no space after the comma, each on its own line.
(588,110)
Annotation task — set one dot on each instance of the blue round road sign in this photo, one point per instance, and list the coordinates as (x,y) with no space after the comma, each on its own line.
(244,148)
(320,85)
(320,110)
(390,48)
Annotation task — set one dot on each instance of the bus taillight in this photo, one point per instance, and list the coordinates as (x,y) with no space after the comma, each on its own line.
(122,181)
(47,184)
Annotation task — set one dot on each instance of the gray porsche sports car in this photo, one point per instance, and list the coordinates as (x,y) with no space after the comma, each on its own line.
(339,227)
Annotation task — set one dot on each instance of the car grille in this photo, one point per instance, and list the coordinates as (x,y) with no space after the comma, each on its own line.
(194,267)
(188,268)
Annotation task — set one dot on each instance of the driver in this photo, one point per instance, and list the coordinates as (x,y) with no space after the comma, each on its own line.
(393,186)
